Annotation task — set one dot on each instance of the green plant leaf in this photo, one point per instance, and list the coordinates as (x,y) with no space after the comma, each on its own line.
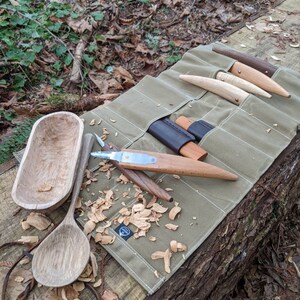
(60,50)
(92,47)
(19,81)
(89,59)
(56,82)
(37,48)
(57,66)
(68,59)
(97,15)
(62,13)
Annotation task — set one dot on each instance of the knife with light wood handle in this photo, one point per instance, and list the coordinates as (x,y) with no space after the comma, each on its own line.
(251,61)
(242,84)
(165,163)
(258,78)
(223,89)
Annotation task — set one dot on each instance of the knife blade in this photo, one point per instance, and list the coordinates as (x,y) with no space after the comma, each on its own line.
(126,157)
(165,163)
(138,177)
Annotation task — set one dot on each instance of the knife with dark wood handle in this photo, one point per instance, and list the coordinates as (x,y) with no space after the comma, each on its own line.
(174,164)
(251,61)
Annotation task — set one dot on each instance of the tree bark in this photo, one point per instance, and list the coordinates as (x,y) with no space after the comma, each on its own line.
(215,267)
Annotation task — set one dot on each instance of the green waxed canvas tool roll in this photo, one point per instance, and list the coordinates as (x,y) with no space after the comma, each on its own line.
(245,140)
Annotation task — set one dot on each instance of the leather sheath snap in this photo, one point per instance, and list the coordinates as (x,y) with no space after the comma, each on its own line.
(198,128)
(176,138)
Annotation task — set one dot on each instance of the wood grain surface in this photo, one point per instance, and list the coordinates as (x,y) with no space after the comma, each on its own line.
(173,164)
(263,81)
(242,84)
(223,89)
(63,255)
(48,167)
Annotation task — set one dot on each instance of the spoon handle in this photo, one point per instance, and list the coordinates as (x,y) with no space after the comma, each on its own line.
(87,144)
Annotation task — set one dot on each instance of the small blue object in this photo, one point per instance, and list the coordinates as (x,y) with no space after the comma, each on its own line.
(124,231)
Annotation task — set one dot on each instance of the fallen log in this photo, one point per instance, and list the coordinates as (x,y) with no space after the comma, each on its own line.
(216,266)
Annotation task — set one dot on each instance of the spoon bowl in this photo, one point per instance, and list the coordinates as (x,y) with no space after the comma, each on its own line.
(62,256)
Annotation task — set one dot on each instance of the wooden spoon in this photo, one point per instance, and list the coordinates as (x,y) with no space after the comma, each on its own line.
(62,256)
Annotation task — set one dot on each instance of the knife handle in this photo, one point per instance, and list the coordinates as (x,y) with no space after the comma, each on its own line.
(173,164)
(258,78)
(242,84)
(140,178)
(254,62)
(223,89)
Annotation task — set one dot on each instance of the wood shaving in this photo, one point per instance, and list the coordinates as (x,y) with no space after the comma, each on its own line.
(169,189)
(97,283)
(166,255)
(152,238)
(156,274)
(159,208)
(87,272)
(78,286)
(89,226)
(93,122)
(104,239)
(46,187)
(174,212)
(294,45)
(137,207)
(36,220)
(23,261)
(177,246)
(19,279)
(275,58)
(123,179)
(102,228)
(176,176)
(94,264)
(268,130)
(29,239)
(109,295)
(171,226)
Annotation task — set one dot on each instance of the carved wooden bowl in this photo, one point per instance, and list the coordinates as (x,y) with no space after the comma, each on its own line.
(47,171)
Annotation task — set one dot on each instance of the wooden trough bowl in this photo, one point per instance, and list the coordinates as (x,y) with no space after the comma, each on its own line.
(47,171)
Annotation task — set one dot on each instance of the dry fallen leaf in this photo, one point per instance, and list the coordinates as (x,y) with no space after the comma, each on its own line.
(79,25)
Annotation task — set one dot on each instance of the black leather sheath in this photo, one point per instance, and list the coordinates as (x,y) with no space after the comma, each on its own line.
(170,134)
(199,129)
